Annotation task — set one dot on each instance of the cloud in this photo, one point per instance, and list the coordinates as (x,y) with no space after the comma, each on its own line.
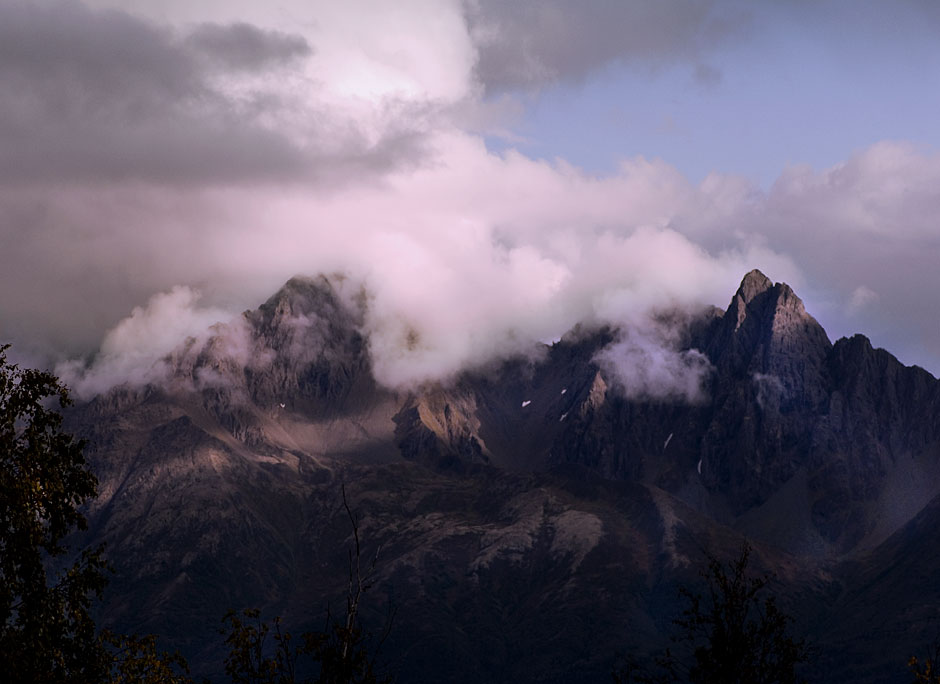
(95,96)
(481,253)
(532,43)
(222,148)
(242,46)
(861,298)
(135,350)
(91,96)
(645,364)
(474,257)
(172,93)
(770,391)
(869,219)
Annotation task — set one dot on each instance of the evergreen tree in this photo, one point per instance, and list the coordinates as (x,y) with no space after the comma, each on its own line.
(732,633)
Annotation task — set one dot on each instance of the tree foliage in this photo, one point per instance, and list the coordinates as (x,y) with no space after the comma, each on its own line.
(137,660)
(335,655)
(338,654)
(46,632)
(732,633)
(926,671)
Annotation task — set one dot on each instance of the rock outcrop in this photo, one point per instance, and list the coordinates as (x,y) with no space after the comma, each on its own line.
(791,425)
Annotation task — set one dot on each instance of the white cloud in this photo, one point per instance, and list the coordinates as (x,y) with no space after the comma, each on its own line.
(475,257)
(870,219)
(862,297)
(644,364)
(134,351)
(770,391)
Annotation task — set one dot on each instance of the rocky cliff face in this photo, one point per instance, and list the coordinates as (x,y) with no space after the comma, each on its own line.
(530,502)
(791,425)
(770,384)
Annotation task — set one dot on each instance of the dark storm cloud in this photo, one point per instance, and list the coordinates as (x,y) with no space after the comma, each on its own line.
(533,42)
(64,40)
(101,95)
(90,96)
(243,46)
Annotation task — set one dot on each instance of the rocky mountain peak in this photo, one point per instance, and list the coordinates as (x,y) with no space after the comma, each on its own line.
(763,320)
(308,320)
(753,284)
(766,304)
(301,351)
(771,382)
(308,340)
(306,297)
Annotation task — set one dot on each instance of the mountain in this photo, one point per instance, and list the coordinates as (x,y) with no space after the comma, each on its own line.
(535,516)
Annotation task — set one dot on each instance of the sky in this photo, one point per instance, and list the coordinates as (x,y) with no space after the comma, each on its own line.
(491,172)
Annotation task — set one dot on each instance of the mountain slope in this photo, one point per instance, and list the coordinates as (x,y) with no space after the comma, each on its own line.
(534,516)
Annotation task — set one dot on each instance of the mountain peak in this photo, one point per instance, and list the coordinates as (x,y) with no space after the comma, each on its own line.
(753,284)
(767,330)
(759,299)
(302,295)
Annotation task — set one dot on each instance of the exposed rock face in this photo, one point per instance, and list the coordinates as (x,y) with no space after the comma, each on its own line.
(440,429)
(788,416)
(770,384)
(533,519)
(875,448)
(315,354)
(301,348)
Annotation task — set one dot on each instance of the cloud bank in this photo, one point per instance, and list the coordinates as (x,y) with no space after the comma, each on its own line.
(477,259)
(532,43)
(149,152)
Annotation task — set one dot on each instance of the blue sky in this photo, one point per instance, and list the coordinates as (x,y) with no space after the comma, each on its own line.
(801,85)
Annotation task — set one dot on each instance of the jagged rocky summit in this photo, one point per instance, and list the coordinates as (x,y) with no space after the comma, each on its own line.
(534,519)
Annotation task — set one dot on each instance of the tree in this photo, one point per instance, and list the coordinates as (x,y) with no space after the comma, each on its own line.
(928,670)
(46,632)
(137,660)
(733,633)
(339,653)
(248,661)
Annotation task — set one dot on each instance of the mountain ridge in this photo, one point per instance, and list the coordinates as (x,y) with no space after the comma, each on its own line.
(533,472)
